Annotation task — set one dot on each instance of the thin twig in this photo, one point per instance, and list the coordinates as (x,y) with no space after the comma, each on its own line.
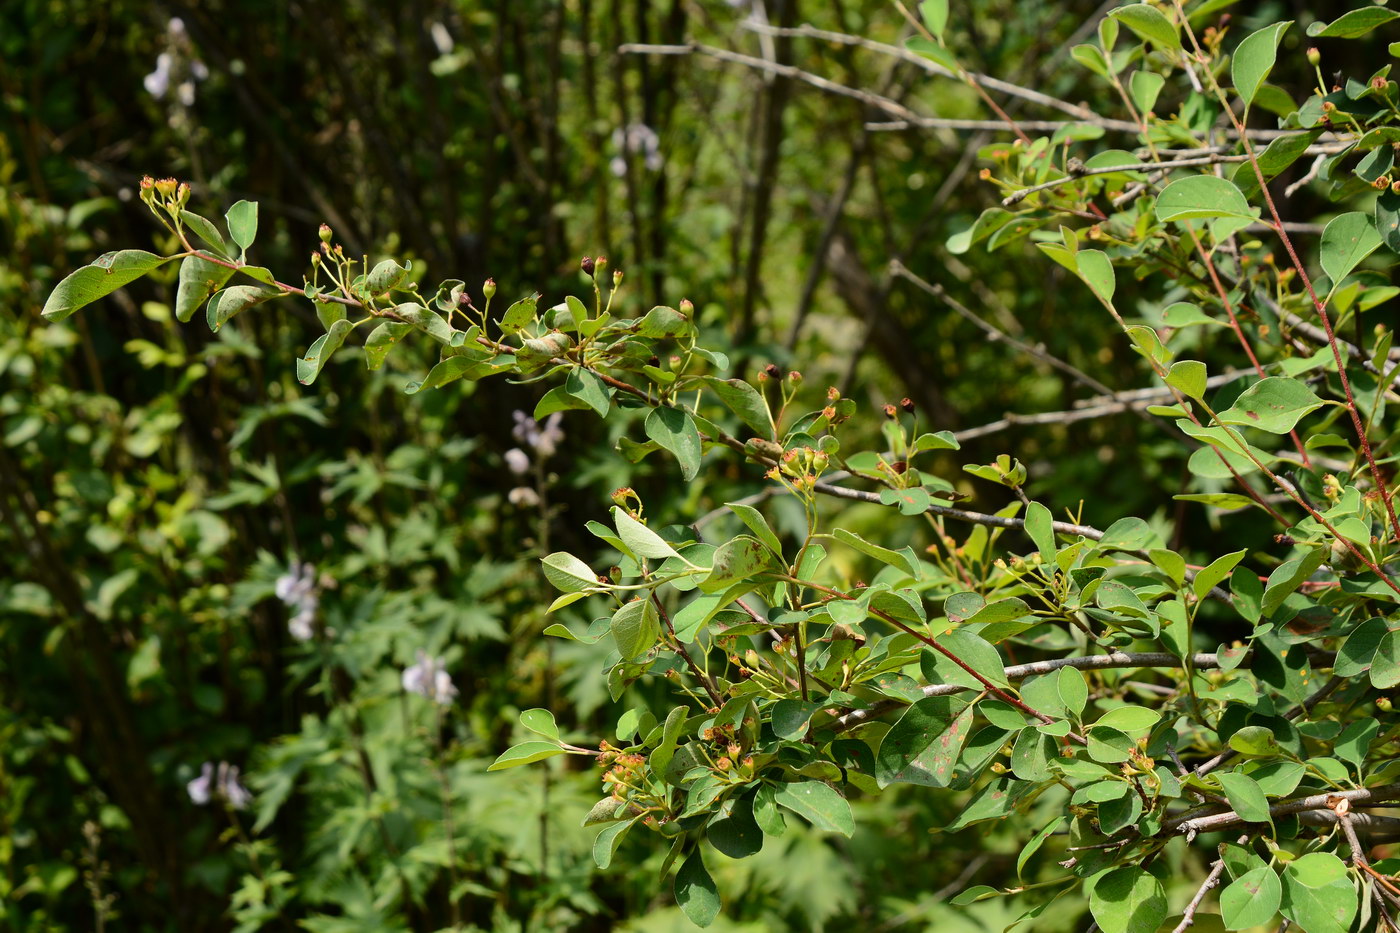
(1382,488)
(685,655)
(1188,917)
(987,685)
(919,61)
(1094,662)
(1193,821)
(787,71)
(900,270)
(1213,158)
(1326,690)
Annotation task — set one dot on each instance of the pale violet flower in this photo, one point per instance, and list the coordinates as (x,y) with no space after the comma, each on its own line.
(637,138)
(518,461)
(158,82)
(297,588)
(176,66)
(523,497)
(429,678)
(542,438)
(442,39)
(202,787)
(221,783)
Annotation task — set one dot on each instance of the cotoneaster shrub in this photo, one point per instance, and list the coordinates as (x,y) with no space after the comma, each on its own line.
(1056,677)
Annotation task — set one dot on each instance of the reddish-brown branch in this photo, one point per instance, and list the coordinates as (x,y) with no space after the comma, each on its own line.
(991,688)
(1381,487)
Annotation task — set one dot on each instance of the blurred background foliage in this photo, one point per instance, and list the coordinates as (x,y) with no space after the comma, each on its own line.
(158,480)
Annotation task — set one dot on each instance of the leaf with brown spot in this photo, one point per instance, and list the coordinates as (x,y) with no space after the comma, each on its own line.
(922,747)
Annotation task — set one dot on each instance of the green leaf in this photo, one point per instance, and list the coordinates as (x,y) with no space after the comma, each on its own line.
(1274,404)
(589,388)
(1092,58)
(384,276)
(1317,894)
(1144,86)
(737,834)
(1287,577)
(381,340)
(1034,845)
(540,722)
(1214,572)
(606,842)
(661,322)
(1189,377)
(1198,196)
(1251,900)
(1346,240)
(205,230)
(756,523)
(242,220)
(903,559)
(818,804)
(98,279)
(234,300)
(1030,759)
(790,718)
(1354,656)
(1256,742)
(1221,500)
(639,539)
(426,320)
(1354,744)
(695,891)
(519,315)
(568,573)
(935,14)
(1040,528)
(1254,59)
(1388,219)
(1245,796)
(1127,900)
(1097,272)
(320,352)
(977,653)
(525,753)
(636,628)
(459,367)
(736,562)
(675,430)
(1351,26)
(144,663)
(923,746)
(934,51)
(912,501)
(1385,665)
(1150,24)
(994,801)
(1073,690)
(199,278)
(744,400)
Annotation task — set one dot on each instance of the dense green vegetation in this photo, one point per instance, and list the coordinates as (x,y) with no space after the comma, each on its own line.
(273,617)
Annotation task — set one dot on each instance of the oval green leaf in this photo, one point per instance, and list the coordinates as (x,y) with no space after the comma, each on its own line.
(1200,196)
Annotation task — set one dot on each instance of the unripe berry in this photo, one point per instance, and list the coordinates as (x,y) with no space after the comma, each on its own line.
(324,233)
(488,288)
